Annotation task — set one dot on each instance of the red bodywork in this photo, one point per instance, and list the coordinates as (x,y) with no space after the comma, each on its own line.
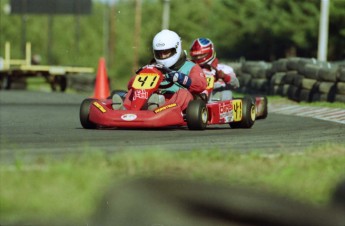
(145,83)
(134,118)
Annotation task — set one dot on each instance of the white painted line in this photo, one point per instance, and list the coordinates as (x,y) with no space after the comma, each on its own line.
(328,114)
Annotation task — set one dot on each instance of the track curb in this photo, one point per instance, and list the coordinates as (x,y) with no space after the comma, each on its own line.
(323,113)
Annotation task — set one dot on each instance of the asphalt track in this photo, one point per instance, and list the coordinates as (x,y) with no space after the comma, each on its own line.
(37,123)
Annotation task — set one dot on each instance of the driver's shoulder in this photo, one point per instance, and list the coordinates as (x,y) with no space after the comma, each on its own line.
(187,66)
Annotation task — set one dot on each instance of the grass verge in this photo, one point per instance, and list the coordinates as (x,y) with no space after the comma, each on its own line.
(47,189)
(282,100)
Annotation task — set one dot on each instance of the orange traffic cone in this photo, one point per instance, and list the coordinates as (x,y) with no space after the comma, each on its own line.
(102,84)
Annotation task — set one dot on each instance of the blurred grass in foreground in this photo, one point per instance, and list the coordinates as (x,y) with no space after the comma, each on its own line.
(47,189)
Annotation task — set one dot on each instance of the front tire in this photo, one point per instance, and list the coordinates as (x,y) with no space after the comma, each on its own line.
(197,115)
(84,114)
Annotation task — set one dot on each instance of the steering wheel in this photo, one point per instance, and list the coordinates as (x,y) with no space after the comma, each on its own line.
(164,70)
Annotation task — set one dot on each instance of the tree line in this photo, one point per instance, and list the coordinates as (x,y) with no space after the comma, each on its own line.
(250,29)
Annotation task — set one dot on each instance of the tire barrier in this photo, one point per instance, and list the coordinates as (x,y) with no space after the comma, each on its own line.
(7,82)
(299,79)
(77,82)
(81,82)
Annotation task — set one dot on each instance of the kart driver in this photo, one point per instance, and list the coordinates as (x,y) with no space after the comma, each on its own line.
(203,53)
(187,76)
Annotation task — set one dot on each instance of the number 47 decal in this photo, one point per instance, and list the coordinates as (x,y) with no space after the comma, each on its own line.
(145,81)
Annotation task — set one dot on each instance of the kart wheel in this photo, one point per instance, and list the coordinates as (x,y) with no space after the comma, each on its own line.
(265,113)
(197,115)
(248,114)
(84,114)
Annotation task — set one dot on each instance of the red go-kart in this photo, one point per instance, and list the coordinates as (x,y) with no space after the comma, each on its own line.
(238,113)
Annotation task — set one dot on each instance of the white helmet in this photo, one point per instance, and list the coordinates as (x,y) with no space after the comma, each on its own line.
(167,47)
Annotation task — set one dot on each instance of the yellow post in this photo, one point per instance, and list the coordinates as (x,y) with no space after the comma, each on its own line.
(7,55)
(28,53)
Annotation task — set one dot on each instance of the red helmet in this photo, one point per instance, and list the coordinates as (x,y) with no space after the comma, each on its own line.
(202,51)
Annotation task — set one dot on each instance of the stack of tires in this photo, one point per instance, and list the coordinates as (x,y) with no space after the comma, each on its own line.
(8,82)
(324,89)
(299,79)
(278,79)
(81,82)
(340,86)
(289,78)
(253,77)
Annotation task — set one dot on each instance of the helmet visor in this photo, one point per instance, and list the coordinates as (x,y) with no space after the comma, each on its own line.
(200,56)
(164,54)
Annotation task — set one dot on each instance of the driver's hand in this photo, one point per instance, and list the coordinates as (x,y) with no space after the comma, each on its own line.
(163,68)
(180,78)
(234,82)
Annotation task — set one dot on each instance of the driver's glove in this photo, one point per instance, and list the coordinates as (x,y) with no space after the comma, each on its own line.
(229,78)
(180,78)
(234,82)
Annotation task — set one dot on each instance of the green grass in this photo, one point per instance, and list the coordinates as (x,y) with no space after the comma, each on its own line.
(46,189)
(325,104)
(285,100)
(38,84)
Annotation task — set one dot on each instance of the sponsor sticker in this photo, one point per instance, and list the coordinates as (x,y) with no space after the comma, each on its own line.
(141,94)
(225,111)
(165,108)
(100,107)
(160,44)
(128,117)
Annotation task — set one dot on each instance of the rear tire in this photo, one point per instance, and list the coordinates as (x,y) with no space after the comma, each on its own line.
(248,114)
(84,114)
(265,113)
(197,115)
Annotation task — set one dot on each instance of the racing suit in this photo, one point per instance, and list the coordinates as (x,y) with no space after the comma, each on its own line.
(225,80)
(178,93)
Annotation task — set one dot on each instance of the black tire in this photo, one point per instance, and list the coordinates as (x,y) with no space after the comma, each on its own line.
(84,114)
(264,115)
(6,82)
(305,95)
(197,115)
(201,96)
(63,83)
(248,114)
(59,83)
